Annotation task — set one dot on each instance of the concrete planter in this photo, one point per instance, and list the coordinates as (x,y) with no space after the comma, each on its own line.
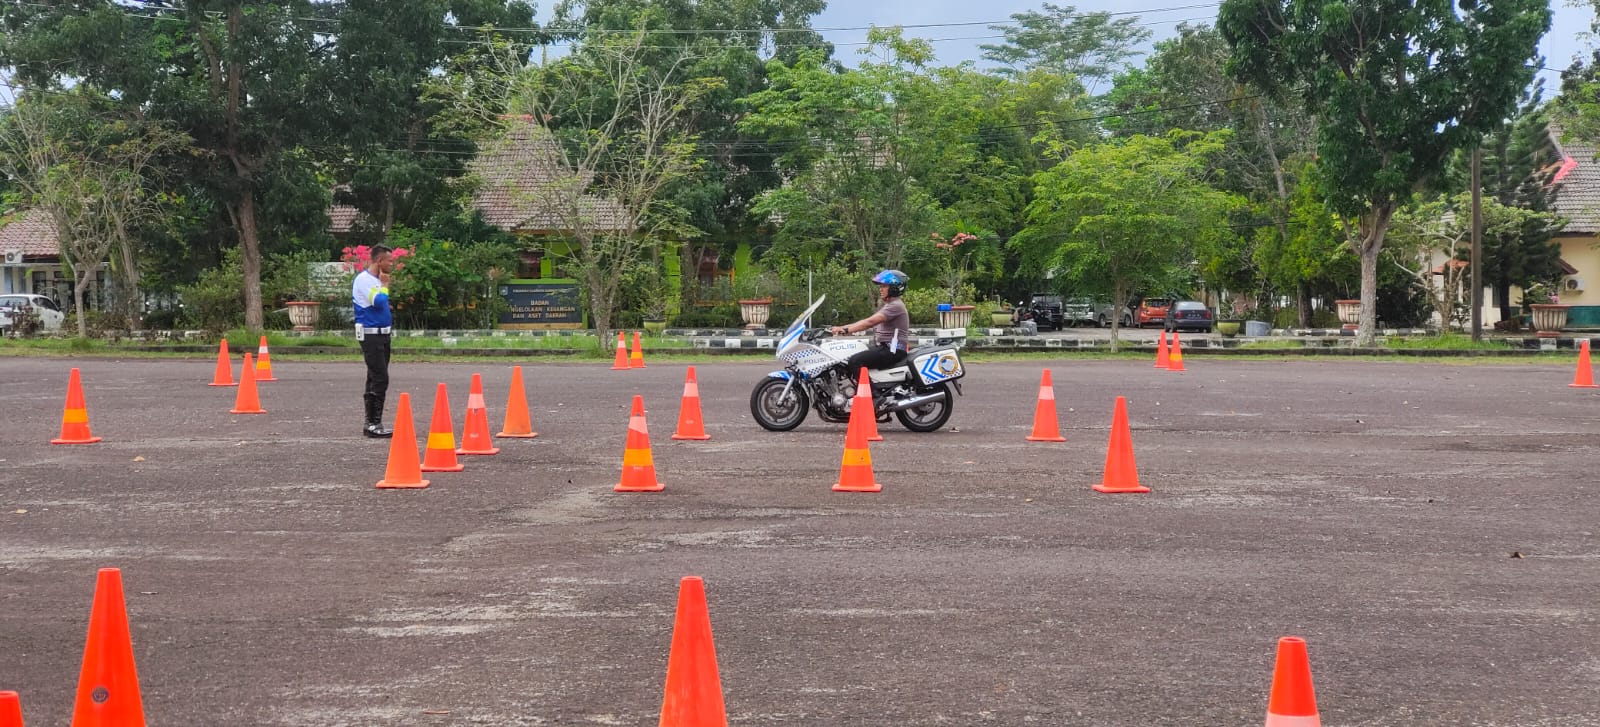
(655,327)
(1000,319)
(959,316)
(1349,313)
(303,314)
(1228,329)
(1549,319)
(755,312)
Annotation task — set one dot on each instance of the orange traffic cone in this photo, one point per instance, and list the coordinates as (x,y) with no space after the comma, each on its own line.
(108,684)
(694,690)
(10,710)
(475,437)
(404,471)
(855,471)
(247,400)
(638,465)
(1584,378)
(1293,703)
(263,362)
(224,374)
(1175,357)
(517,425)
(1121,474)
(74,417)
(863,399)
(636,359)
(1162,360)
(690,424)
(441,451)
(1045,426)
(621,362)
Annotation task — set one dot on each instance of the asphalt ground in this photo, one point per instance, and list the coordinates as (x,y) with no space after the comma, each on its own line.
(1373,508)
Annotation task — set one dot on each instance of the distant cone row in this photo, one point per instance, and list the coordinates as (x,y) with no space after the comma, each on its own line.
(108,681)
(628,359)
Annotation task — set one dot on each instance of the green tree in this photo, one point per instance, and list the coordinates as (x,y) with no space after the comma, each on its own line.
(727,39)
(92,172)
(848,154)
(1089,46)
(1436,235)
(617,135)
(1396,87)
(238,76)
(1124,216)
(1185,85)
(389,154)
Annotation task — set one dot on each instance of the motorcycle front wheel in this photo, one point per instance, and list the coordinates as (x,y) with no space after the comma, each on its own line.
(931,416)
(770,409)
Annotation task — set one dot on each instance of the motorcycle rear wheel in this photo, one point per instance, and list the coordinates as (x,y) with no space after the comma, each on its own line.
(771,412)
(928,417)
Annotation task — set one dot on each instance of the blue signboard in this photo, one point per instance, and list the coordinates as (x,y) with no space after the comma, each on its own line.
(541,305)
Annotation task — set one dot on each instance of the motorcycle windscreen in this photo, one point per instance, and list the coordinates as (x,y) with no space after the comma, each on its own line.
(792,333)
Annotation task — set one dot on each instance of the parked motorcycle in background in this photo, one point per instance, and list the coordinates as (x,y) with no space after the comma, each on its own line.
(918,392)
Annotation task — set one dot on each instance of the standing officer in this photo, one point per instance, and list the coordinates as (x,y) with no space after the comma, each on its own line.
(374,324)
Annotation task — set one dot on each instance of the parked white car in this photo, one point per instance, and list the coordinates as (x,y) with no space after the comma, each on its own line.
(50,315)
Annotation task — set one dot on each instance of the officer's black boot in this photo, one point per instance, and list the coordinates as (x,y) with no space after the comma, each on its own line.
(374,427)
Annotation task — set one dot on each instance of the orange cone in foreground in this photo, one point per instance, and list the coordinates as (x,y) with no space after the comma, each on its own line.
(440,455)
(855,472)
(1293,702)
(10,710)
(1046,428)
(74,417)
(621,361)
(694,690)
(638,465)
(224,374)
(517,425)
(690,424)
(1584,378)
(263,362)
(405,469)
(246,400)
(636,360)
(1121,474)
(475,437)
(863,400)
(1162,357)
(1175,357)
(108,684)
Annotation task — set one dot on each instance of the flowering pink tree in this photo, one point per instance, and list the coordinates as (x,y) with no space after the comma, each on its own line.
(357,258)
(957,261)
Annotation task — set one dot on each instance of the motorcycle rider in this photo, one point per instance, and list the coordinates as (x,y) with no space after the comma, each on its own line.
(892,326)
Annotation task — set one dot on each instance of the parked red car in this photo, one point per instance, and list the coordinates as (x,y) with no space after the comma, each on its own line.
(1152,312)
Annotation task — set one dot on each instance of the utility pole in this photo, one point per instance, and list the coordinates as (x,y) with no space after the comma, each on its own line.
(1477,244)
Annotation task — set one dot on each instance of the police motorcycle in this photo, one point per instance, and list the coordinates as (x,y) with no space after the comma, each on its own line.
(919,391)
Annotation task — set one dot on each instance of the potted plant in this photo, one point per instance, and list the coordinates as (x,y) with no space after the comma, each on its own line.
(656,297)
(957,313)
(1549,316)
(755,300)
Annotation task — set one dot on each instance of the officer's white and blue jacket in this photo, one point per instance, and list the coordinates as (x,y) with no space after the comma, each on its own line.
(371,298)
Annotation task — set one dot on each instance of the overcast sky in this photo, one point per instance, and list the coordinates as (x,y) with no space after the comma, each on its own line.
(1161,16)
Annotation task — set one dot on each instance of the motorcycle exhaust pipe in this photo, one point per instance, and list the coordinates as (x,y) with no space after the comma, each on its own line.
(917,401)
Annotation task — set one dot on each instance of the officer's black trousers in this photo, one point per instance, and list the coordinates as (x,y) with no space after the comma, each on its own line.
(375,349)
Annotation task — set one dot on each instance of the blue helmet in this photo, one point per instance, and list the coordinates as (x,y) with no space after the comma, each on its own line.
(895,279)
